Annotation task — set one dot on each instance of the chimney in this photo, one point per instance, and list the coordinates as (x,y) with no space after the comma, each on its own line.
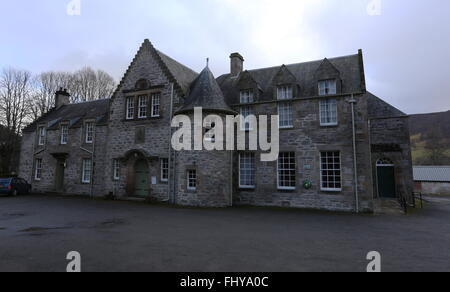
(237,64)
(62,97)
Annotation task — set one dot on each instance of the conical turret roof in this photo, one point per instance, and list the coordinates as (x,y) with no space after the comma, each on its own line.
(206,93)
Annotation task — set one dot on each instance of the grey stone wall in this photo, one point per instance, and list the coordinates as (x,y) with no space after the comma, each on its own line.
(72,172)
(122,133)
(307,139)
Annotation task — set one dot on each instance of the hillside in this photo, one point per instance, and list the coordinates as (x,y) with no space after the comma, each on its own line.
(430,137)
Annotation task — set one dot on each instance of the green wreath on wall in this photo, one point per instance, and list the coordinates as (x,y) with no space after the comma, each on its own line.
(307,184)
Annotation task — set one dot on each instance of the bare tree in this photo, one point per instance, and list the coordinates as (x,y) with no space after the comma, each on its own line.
(436,146)
(15,90)
(90,85)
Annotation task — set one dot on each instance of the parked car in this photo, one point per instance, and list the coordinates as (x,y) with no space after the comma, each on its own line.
(14,186)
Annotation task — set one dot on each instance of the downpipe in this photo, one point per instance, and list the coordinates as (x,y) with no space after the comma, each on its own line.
(355,162)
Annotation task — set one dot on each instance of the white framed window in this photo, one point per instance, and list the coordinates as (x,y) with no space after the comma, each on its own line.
(130,108)
(328,112)
(287,171)
(247,171)
(42,132)
(285,115)
(330,171)
(327,87)
(164,170)
(192,180)
(156,105)
(143,106)
(38,169)
(89,132)
(247,96)
(246,123)
(210,134)
(285,92)
(116,169)
(64,134)
(86,173)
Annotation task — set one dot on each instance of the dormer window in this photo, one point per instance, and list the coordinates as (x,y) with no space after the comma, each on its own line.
(284,92)
(327,87)
(41,138)
(247,96)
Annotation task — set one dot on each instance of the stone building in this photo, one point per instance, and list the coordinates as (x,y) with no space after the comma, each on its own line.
(341,148)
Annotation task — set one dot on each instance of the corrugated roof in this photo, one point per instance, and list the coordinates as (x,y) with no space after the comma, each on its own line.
(432,173)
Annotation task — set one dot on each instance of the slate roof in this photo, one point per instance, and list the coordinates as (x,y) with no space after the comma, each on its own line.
(75,114)
(206,93)
(350,68)
(183,74)
(432,173)
(378,108)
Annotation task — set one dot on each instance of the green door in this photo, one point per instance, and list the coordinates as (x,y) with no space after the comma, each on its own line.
(386,182)
(142,181)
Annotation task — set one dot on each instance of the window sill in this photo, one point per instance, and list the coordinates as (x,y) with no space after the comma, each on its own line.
(329,125)
(247,188)
(331,190)
(286,189)
(286,128)
(142,119)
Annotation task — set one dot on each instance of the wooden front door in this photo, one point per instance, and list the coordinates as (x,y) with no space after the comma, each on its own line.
(142,186)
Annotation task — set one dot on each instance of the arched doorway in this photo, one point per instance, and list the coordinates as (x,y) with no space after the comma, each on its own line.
(141,175)
(386,178)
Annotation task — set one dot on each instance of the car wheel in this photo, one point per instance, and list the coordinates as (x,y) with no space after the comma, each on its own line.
(15,193)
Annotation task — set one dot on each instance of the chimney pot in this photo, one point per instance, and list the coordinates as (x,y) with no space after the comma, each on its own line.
(237,64)
(62,97)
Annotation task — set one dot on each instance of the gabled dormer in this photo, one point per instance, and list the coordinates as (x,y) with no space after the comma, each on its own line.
(285,85)
(249,90)
(328,79)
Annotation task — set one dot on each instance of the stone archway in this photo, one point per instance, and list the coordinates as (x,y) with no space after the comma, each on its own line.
(138,178)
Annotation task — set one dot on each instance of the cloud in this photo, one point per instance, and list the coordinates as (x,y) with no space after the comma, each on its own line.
(405,48)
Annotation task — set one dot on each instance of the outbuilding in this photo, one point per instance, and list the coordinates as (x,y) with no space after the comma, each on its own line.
(432,180)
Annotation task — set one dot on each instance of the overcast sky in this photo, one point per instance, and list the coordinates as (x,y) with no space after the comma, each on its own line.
(406,48)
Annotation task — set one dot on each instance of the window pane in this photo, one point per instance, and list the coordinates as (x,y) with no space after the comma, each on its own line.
(246,111)
(247,96)
(143,104)
(331,171)
(328,112)
(285,115)
(87,170)
(287,171)
(156,104)
(192,179)
(247,170)
(130,108)
(164,169)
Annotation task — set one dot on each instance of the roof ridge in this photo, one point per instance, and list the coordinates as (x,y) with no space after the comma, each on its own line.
(302,63)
